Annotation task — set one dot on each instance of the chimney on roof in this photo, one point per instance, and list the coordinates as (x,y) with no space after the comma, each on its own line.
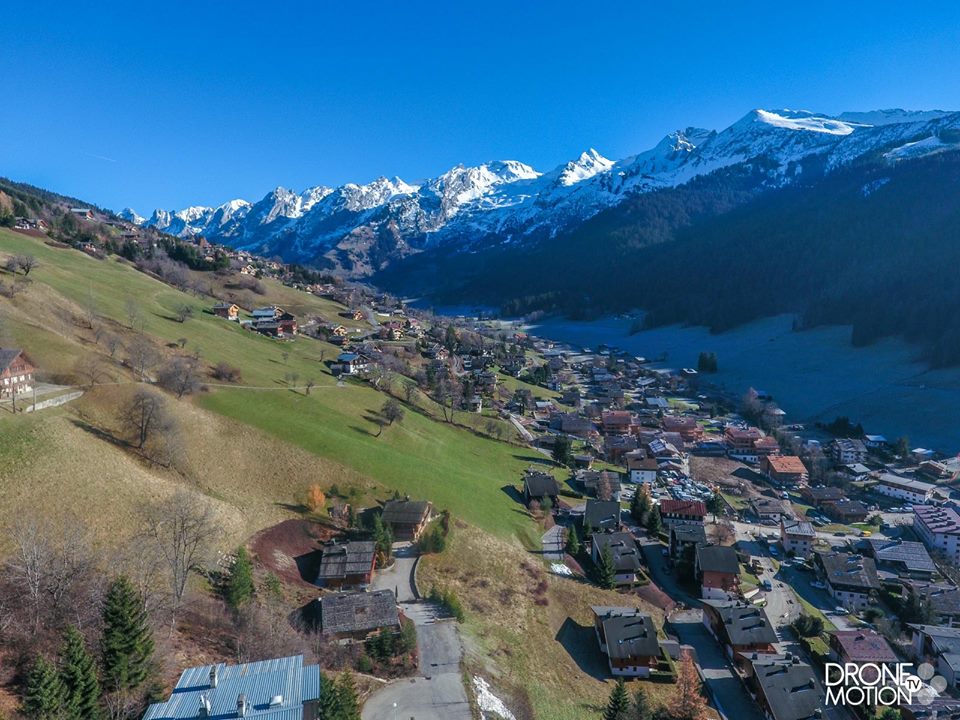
(213,676)
(241,705)
(204,709)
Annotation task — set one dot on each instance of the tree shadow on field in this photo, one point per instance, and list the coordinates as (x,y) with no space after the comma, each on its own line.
(100,433)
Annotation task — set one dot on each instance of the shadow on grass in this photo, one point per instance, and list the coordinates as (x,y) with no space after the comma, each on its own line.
(101,434)
(535,459)
(580,642)
(514,494)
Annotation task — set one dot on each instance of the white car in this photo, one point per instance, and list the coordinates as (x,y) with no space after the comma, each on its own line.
(818,585)
(840,610)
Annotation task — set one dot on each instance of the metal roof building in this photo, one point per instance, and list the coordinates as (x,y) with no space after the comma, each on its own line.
(279,689)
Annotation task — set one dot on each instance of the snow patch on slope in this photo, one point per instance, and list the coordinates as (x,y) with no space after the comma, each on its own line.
(491,707)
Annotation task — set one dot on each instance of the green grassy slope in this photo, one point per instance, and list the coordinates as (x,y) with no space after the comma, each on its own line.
(454,468)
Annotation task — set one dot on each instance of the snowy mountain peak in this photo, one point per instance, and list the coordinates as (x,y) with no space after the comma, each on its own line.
(507,201)
(586,166)
(802,120)
(130,215)
(892,116)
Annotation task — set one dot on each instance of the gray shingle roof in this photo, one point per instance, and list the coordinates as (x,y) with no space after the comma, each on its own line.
(850,572)
(350,612)
(911,555)
(717,558)
(628,633)
(260,682)
(789,688)
(601,514)
(538,484)
(743,623)
(623,549)
(689,533)
(7,356)
(405,512)
(342,559)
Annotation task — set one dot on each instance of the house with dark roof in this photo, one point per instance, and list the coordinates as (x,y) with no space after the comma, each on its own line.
(347,564)
(628,638)
(678,512)
(407,518)
(642,470)
(900,558)
(845,511)
(16,373)
(769,510)
(539,485)
(817,495)
(601,515)
(278,689)
(229,311)
(684,536)
(939,646)
(797,537)
(940,600)
(718,571)
(851,579)
(623,552)
(603,484)
(357,615)
(785,688)
(740,627)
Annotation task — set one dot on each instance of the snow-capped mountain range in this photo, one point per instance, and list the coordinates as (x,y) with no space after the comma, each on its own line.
(363,227)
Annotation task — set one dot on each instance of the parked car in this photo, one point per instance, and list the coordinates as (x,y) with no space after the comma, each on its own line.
(767,585)
(840,610)
(818,585)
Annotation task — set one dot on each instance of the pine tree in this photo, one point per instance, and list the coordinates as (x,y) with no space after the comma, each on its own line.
(240,584)
(78,673)
(688,703)
(654,523)
(619,704)
(573,541)
(606,572)
(349,705)
(641,709)
(127,640)
(329,706)
(43,697)
(640,505)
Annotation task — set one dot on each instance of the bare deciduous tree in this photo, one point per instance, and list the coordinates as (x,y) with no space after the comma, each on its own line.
(142,355)
(182,529)
(184,313)
(26,263)
(181,376)
(90,370)
(145,417)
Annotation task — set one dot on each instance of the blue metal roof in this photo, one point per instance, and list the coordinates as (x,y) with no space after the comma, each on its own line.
(261,682)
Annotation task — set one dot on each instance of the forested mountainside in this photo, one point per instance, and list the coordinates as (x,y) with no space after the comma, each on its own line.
(874,245)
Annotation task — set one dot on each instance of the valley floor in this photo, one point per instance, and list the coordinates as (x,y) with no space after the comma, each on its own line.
(815,375)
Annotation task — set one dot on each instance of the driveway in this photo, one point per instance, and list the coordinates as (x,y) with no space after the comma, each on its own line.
(553,544)
(728,693)
(437,692)
(399,577)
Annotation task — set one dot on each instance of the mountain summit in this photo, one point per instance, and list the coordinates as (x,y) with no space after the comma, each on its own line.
(507,201)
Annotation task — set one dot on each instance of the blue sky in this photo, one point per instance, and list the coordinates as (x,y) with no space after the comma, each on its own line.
(197,103)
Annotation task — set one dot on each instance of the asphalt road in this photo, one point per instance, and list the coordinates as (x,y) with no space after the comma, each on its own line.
(437,693)
(727,690)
